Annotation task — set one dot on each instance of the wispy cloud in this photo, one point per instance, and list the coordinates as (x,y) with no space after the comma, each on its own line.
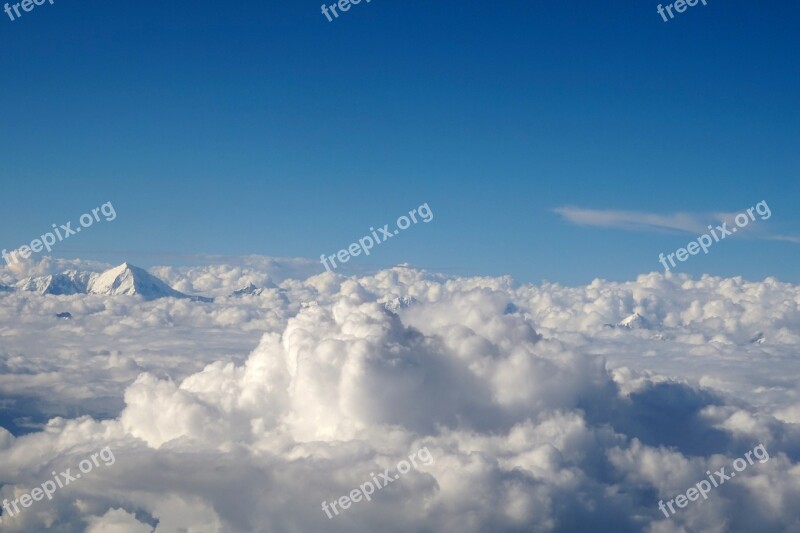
(633,220)
(785,238)
(695,223)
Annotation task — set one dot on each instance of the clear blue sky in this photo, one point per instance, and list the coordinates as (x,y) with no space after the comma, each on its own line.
(260,127)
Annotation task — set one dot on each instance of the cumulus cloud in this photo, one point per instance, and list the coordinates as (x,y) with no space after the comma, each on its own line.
(248,413)
(117,521)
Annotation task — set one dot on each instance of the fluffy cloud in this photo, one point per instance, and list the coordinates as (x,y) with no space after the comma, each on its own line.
(537,414)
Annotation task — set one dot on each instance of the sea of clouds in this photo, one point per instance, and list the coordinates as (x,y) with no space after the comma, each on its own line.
(541,414)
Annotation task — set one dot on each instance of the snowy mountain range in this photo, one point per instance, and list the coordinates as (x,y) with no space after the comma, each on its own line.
(68,282)
(125,279)
(251,290)
(395,304)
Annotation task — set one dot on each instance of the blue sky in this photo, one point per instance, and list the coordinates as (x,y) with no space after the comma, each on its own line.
(262,128)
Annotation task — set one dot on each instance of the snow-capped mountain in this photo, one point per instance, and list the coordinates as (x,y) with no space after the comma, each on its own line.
(249,290)
(68,282)
(131,280)
(252,290)
(395,304)
(635,321)
(124,279)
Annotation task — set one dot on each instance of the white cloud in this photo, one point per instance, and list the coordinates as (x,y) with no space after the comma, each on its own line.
(633,220)
(693,223)
(245,414)
(117,521)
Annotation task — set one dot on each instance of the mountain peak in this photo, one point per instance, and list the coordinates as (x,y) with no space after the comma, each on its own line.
(68,282)
(249,290)
(131,280)
(401,302)
(634,321)
(125,279)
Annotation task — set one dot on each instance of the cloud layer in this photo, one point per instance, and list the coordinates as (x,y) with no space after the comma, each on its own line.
(246,414)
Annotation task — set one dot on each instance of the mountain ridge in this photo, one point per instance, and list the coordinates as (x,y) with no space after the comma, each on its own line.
(125,279)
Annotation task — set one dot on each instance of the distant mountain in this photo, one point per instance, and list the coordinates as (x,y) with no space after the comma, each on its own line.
(395,304)
(124,279)
(634,321)
(69,282)
(131,280)
(252,290)
(249,290)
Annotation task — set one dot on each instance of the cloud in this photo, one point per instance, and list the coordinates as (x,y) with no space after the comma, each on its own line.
(117,521)
(633,220)
(247,413)
(694,223)
(785,238)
